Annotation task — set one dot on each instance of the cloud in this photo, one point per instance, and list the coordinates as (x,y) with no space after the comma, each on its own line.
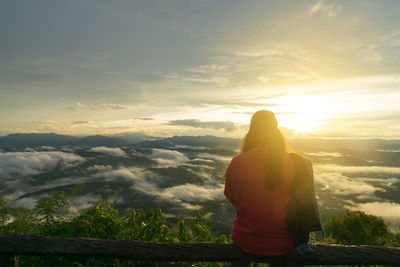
(190,147)
(214,157)
(191,192)
(385,181)
(15,164)
(226,125)
(111,107)
(316,7)
(208,69)
(246,104)
(203,160)
(143,118)
(115,152)
(79,106)
(19,195)
(203,171)
(82,202)
(47,148)
(80,122)
(131,174)
(389,150)
(216,78)
(99,168)
(28,75)
(191,207)
(389,211)
(27,202)
(202,166)
(343,186)
(324,154)
(137,176)
(393,39)
(181,194)
(167,158)
(267,52)
(329,10)
(141,179)
(362,170)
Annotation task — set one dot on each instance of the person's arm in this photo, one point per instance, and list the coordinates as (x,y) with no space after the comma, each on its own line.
(303,214)
(229,190)
(317,224)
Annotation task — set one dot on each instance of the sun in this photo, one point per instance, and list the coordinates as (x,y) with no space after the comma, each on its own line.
(304,113)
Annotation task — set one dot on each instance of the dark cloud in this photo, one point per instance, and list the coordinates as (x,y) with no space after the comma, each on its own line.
(80,122)
(226,125)
(27,75)
(143,118)
(239,103)
(80,106)
(252,104)
(277,113)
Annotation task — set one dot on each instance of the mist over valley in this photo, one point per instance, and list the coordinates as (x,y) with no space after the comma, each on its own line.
(184,174)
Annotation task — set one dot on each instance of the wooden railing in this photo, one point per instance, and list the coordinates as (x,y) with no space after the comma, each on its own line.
(187,252)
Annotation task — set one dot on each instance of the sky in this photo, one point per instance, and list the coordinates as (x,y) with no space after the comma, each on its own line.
(327,69)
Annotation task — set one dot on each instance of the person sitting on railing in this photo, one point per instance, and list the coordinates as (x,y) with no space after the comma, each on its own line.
(272,190)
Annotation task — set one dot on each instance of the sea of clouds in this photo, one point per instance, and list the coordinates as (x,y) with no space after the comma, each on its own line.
(365,188)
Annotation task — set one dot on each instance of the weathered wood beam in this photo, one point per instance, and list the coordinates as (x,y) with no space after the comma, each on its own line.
(191,252)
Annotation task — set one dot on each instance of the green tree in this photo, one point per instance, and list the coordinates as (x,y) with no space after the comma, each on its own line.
(394,240)
(4,212)
(24,222)
(357,228)
(100,221)
(55,207)
(147,227)
(201,233)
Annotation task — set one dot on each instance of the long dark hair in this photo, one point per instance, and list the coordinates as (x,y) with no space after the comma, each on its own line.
(264,132)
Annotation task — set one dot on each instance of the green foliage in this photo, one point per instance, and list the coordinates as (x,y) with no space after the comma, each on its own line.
(394,240)
(24,222)
(358,228)
(100,221)
(152,226)
(4,212)
(183,234)
(104,221)
(48,208)
(201,233)
(55,207)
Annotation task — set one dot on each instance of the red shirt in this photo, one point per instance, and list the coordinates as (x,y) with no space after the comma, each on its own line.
(259,226)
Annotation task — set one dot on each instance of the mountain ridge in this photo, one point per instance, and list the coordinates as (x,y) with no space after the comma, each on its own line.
(20,140)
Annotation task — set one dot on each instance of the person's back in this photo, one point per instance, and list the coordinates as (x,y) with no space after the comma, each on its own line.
(272,190)
(259,226)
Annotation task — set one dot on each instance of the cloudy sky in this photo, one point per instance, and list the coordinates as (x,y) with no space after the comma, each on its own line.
(327,68)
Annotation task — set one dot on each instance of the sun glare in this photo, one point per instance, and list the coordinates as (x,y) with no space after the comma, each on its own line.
(303,113)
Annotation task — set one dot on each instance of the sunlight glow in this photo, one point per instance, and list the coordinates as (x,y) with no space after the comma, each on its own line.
(303,113)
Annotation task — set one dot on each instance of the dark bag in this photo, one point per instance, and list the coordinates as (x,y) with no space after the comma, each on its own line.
(303,214)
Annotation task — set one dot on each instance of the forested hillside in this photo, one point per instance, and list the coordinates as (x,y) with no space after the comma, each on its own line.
(49,218)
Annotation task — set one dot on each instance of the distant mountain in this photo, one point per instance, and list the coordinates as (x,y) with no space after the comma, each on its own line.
(333,144)
(19,140)
(51,139)
(135,137)
(99,140)
(207,141)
